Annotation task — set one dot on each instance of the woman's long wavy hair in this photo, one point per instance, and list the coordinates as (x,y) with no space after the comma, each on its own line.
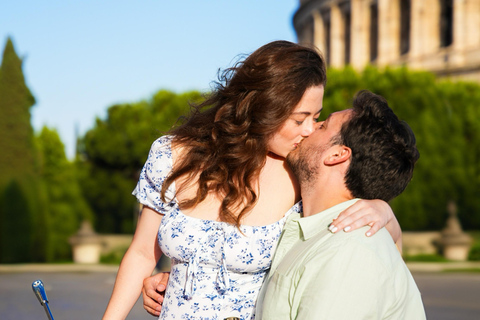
(225,138)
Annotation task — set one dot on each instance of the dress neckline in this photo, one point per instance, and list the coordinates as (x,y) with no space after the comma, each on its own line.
(285,216)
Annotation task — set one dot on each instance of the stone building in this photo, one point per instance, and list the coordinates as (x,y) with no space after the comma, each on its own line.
(442,36)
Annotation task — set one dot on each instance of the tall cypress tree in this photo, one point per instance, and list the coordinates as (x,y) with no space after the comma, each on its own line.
(22,211)
(16,143)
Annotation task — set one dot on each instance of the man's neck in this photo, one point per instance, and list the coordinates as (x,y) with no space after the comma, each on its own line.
(322,196)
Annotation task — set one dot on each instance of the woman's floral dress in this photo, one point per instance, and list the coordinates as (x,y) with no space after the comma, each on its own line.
(216,270)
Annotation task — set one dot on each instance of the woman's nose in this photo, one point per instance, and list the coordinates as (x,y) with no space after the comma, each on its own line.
(309,129)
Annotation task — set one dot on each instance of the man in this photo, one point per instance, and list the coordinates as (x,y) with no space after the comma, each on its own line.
(363,152)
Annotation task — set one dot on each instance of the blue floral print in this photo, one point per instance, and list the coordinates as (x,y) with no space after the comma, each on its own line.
(217,270)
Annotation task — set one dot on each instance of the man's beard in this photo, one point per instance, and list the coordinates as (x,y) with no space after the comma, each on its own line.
(305,170)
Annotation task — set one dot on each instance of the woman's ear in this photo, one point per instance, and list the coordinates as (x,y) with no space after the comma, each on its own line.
(338,154)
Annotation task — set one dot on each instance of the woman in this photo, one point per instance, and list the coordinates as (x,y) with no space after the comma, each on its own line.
(217,190)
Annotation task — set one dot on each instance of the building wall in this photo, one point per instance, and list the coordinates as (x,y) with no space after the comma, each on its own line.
(442,36)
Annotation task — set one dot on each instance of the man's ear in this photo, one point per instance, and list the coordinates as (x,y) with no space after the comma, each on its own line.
(338,154)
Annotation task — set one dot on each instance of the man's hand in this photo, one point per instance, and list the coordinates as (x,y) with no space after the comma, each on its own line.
(153,292)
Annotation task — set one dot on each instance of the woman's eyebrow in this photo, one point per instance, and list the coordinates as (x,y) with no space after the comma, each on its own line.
(307,112)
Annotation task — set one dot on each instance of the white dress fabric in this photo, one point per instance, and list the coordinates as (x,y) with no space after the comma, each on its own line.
(217,270)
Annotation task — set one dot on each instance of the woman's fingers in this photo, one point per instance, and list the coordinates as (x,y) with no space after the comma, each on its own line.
(374,228)
(362,213)
(350,222)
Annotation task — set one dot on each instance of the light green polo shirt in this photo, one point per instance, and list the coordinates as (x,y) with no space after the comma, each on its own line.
(319,275)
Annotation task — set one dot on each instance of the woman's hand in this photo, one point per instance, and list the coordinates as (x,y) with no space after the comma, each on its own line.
(153,292)
(374,213)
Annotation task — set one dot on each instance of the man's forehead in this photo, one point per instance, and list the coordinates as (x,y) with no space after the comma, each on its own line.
(341,116)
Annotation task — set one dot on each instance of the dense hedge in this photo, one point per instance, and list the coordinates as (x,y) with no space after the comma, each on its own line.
(445,117)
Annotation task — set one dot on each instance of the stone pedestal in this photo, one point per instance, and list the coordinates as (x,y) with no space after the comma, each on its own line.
(455,243)
(86,245)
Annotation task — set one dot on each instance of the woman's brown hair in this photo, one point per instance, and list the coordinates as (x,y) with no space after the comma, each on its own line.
(226,136)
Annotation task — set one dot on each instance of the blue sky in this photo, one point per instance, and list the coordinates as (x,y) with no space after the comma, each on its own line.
(82,56)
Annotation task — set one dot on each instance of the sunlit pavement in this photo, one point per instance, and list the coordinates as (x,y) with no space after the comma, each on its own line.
(82,291)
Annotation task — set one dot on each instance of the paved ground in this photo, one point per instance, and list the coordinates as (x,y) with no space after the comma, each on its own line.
(82,292)
(450,296)
(72,296)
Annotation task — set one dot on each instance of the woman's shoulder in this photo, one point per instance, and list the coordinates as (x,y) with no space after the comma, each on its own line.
(162,144)
(154,172)
(159,157)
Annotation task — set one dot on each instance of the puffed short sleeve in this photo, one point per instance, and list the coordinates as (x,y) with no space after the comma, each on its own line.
(154,172)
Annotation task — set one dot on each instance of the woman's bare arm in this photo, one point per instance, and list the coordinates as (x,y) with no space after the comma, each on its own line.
(137,264)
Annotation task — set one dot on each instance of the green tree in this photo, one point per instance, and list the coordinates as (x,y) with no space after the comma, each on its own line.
(21,193)
(66,205)
(16,234)
(17,156)
(114,151)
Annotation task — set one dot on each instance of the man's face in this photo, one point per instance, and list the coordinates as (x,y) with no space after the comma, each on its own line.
(308,157)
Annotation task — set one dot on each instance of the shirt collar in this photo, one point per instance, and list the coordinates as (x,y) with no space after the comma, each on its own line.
(312,225)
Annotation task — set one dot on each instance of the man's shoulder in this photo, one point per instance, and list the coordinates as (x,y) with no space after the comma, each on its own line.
(379,247)
(358,237)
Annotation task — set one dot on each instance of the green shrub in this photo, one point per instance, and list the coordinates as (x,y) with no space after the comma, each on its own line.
(474,254)
(114,257)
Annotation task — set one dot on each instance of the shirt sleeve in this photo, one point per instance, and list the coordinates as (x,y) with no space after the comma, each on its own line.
(156,169)
(349,283)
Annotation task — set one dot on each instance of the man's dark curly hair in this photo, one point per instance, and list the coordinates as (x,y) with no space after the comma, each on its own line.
(383,148)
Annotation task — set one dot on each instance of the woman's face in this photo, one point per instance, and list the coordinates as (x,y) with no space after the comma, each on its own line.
(301,123)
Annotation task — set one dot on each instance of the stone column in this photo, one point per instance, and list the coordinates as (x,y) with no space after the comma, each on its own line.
(319,39)
(360,33)
(388,31)
(337,44)
(472,23)
(425,30)
(460,25)
(460,34)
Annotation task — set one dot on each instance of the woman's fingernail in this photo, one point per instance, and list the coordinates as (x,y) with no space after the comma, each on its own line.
(346,229)
(333,230)
(369,234)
